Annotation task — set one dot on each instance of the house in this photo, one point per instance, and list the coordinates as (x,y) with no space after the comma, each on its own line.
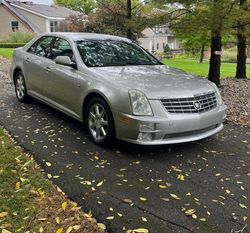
(155,39)
(26,16)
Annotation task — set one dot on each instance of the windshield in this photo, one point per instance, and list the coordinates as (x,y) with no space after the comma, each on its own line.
(99,53)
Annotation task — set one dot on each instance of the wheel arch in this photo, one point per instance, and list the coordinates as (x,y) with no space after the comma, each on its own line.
(17,69)
(90,96)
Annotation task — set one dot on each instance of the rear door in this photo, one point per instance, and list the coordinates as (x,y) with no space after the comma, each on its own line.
(36,63)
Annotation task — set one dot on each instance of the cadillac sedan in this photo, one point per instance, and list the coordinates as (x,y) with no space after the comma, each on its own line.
(117,89)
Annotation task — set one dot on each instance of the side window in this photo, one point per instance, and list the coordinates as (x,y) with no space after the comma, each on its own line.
(61,47)
(42,47)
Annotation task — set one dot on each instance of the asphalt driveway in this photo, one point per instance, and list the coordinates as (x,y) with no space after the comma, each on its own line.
(130,187)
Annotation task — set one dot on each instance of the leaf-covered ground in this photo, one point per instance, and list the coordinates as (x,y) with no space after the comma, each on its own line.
(30,203)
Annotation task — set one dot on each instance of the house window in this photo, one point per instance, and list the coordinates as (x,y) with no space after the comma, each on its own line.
(163,45)
(14,26)
(157,46)
(53,26)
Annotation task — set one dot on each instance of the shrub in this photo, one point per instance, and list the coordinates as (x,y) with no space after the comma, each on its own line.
(11,45)
(17,37)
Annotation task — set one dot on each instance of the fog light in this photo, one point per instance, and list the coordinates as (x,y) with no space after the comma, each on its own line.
(145,137)
(146,127)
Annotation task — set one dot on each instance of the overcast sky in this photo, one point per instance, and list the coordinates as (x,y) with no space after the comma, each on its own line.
(47,2)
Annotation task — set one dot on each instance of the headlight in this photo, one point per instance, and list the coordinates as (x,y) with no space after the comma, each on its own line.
(218,95)
(139,103)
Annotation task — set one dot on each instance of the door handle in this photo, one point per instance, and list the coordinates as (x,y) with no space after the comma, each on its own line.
(48,69)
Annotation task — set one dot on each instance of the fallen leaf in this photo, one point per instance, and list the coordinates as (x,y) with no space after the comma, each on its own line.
(5,231)
(243,206)
(18,185)
(48,164)
(57,220)
(3,214)
(101,226)
(110,217)
(141,230)
(143,199)
(174,196)
(60,230)
(99,184)
(69,229)
(64,205)
(190,212)
(144,219)
(181,177)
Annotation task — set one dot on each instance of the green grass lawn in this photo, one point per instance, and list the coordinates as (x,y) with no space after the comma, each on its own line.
(193,66)
(6,52)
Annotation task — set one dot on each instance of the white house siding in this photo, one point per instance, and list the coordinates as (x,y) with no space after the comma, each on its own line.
(155,42)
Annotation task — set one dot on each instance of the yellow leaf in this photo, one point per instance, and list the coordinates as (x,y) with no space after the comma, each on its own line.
(190,212)
(203,219)
(110,218)
(69,229)
(64,205)
(3,214)
(60,230)
(5,231)
(119,214)
(76,227)
(101,226)
(99,184)
(174,196)
(48,164)
(143,199)
(188,194)
(41,230)
(49,176)
(181,177)
(243,206)
(141,230)
(18,185)
(245,218)
(57,220)
(144,219)
(163,186)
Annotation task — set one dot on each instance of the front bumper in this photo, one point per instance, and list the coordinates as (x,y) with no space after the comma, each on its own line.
(168,128)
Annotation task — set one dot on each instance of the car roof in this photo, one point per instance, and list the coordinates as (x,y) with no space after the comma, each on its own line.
(87,36)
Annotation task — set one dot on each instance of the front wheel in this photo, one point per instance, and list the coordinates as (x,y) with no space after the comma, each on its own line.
(20,88)
(100,122)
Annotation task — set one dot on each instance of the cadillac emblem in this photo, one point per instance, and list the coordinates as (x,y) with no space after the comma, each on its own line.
(197,105)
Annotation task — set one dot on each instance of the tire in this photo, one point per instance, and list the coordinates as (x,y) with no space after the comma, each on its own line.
(99,122)
(20,88)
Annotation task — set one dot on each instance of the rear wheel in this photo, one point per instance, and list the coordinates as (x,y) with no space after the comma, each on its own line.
(20,88)
(100,123)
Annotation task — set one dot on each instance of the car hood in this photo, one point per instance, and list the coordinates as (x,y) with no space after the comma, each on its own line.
(154,81)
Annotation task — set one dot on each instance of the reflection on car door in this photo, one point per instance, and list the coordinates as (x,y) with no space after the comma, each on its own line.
(35,63)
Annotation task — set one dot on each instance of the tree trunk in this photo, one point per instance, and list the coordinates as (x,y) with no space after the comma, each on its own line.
(242,50)
(215,58)
(202,53)
(129,17)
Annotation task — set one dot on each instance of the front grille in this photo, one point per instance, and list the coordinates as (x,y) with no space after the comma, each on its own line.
(197,104)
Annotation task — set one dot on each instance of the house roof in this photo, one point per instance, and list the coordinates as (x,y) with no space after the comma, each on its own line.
(45,11)
(22,18)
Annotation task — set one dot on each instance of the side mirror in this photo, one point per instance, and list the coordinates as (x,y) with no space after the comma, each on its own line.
(65,61)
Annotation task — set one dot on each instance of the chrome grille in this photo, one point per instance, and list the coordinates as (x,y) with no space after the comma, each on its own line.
(197,104)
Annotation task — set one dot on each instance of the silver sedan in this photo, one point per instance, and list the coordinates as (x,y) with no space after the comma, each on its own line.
(117,89)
